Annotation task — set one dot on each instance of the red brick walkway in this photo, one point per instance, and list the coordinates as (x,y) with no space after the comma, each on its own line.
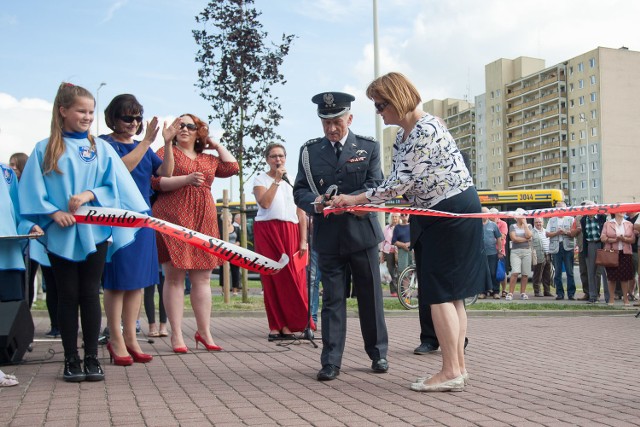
(552,371)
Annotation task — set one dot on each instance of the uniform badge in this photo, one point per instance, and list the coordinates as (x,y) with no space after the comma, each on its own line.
(87,153)
(321,182)
(7,173)
(328,99)
(361,152)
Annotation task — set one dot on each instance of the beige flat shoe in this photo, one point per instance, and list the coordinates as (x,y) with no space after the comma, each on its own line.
(8,382)
(456,384)
(465,377)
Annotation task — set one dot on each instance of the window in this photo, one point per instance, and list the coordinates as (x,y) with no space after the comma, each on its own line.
(570,87)
(594,149)
(594,114)
(581,67)
(581,83)
(573,185)
(594,183)
(593,97)
(571,103)
(582,185)
(573,152)
(594,131)
(498,108)
(592,62)
(594,166)
(582,168)
(498,93)
(581,100)
(571,70)
(573,168)
(582,134)
(573,137)
(492,94)
(572,120)
(593,80)
(582,151)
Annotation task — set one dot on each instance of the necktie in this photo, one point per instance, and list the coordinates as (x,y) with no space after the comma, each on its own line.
(338,149)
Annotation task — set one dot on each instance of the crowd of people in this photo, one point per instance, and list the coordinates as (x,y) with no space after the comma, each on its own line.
(72,168)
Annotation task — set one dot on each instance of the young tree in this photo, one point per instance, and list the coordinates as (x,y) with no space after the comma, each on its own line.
(239,69)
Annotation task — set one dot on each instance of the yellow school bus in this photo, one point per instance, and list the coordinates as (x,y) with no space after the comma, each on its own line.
(510,200)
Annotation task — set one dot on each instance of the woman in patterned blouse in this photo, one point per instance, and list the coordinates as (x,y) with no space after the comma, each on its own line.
(429,171)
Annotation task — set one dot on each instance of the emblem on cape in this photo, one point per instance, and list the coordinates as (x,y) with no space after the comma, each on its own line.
(7,173)
(328,99)
(87,154)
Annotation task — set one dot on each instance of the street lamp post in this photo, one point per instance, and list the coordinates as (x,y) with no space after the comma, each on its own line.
(583,119)
(98,107)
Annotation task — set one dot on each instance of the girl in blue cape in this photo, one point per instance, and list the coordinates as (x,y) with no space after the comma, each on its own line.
(12,261)
(69,169)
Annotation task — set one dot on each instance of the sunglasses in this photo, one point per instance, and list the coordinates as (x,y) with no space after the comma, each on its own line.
(380,106)
(130,119)
(189,126)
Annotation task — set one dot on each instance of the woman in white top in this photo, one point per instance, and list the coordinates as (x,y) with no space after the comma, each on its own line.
(280,227)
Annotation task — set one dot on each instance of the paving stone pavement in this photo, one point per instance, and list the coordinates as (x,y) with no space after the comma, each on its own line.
(525,371)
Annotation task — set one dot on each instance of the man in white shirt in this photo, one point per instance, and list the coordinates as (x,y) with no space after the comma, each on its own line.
(542,270)
(561,243)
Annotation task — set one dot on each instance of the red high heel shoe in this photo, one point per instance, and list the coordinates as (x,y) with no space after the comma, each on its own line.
(118,360)
(182,349)
(210,347)
(140,357)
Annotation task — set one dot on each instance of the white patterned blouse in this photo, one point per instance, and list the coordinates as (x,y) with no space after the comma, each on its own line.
(427,167)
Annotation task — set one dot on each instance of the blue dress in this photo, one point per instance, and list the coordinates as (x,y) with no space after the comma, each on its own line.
(98,170)
(135,266)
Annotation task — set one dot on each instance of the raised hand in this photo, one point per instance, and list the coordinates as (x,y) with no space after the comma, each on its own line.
(152,130)
(170,132)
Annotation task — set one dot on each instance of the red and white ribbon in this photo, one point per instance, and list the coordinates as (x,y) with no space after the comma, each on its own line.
(235,254)
(533,213)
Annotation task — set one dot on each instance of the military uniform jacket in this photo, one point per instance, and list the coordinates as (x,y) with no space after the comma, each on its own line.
(357,170)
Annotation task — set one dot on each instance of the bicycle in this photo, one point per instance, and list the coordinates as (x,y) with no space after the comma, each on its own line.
(408,289)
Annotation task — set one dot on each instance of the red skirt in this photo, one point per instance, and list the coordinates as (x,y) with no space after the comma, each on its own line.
(285,293)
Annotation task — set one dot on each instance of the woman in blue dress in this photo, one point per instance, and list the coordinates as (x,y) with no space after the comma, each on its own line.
(136,266)
(69,169)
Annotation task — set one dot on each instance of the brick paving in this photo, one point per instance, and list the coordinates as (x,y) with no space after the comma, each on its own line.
(570,369)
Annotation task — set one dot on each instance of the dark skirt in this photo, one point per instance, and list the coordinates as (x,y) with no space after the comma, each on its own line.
(450,258)
(624,271)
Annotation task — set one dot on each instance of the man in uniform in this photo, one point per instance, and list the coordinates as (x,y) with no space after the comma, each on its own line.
(352,164)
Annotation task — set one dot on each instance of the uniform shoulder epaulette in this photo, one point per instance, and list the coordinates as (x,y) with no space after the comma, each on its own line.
(312,141)
(369,138)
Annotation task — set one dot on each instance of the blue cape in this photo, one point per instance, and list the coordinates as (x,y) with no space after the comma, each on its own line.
(100,171)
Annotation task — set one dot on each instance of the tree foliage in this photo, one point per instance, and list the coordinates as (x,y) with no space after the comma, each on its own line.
(239,68)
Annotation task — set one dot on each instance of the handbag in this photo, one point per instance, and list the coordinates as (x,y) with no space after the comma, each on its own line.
(607,257)
(501,273)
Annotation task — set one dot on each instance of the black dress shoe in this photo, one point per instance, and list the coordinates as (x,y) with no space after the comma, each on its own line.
(273,337)
(572,298)
(328,373)
(380,366)
(559,297)
(425,348)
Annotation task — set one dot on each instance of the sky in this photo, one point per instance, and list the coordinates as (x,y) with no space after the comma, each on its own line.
(146,47)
